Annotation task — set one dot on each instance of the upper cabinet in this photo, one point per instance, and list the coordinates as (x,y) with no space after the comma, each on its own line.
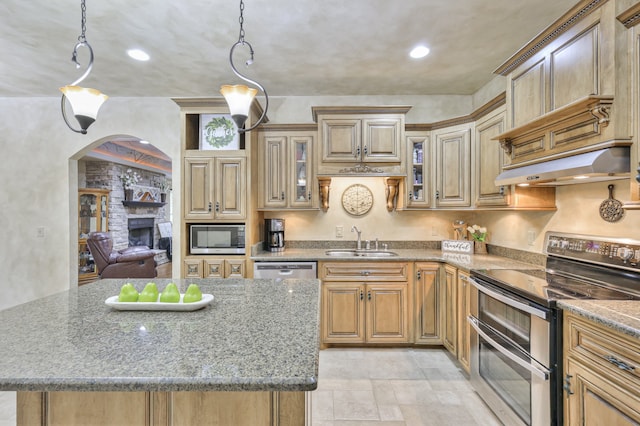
(362,140)
(452,166)
(215,188)
(286,170)
(567,88)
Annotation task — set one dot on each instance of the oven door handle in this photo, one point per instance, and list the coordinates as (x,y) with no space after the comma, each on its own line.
(511,301)
(540,371)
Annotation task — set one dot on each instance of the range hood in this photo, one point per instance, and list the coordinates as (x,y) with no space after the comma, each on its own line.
(606,164)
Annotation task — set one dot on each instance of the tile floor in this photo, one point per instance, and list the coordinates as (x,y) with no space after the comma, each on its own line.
(411,386)
(378,387)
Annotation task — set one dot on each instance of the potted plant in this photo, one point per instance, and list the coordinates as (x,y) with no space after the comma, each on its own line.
(129,178)
(479,235)
(164,185)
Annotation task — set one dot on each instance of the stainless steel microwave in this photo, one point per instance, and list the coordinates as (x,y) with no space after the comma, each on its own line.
(217,239)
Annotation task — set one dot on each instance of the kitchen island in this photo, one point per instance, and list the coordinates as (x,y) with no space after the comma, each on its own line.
(246,359)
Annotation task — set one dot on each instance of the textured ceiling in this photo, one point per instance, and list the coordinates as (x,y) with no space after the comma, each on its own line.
(303,47)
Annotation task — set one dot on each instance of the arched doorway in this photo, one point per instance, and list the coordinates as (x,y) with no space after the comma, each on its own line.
(143,219)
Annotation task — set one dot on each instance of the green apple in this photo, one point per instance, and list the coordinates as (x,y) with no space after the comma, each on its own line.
(193,294)
(149,293)
(128,293)
(170,294)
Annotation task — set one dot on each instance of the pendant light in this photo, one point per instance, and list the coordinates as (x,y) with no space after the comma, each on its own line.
(240,97)
(85,102)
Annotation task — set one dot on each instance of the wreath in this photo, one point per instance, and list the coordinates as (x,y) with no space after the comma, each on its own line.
(219,132)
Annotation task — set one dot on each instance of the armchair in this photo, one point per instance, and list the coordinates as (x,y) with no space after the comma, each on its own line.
(132,262)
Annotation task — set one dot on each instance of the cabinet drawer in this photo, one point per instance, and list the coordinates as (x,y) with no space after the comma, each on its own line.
(616,353)
(364,271)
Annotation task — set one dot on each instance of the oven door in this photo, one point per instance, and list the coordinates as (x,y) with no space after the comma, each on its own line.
(510,351)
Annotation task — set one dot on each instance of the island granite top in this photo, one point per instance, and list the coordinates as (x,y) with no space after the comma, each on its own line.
(256,335)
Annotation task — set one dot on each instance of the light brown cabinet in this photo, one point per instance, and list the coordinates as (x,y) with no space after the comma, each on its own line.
(427,304)
(464,328)
(489,160)
(452,166)
(286,171)
(213,267)
(93,216)
(602,379)
(360,135)
(450,307)
(215,188)
(365,303)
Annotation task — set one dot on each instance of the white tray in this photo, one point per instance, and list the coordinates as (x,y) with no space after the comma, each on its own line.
(159,306)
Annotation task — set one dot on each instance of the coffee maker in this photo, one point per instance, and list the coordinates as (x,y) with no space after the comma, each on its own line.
(274,234)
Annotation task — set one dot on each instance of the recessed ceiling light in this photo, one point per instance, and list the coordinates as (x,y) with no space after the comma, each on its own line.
(138,55)
(419,52)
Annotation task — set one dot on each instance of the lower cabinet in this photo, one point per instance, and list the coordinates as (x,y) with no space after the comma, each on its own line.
(464,328)
(601,383)
(450,307)
(427,304)
(213,267)
(365,302)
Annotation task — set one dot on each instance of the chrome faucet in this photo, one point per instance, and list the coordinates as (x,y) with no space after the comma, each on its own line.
(359,242)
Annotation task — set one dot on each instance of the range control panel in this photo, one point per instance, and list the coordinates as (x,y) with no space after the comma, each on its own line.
(615,252)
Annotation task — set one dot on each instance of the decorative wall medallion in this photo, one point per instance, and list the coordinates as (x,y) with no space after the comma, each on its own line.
(357,199)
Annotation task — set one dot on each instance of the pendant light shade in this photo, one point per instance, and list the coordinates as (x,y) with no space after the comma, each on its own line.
(85,103)
(239,98)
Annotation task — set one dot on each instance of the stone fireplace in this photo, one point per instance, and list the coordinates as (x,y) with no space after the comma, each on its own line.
(141,231)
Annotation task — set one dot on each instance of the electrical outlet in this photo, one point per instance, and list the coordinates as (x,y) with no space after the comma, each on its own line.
(40,232)
(339,231)
(531,237)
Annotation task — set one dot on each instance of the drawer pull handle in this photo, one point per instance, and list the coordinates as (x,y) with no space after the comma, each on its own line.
(620,364)
(365,273)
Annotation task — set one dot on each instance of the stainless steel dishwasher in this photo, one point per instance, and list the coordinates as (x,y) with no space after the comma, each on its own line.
(282,270)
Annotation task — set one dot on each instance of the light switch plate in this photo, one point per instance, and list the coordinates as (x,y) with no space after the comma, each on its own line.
(339,231)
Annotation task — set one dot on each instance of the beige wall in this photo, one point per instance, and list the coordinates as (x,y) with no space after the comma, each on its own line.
(578,212)
(40,178)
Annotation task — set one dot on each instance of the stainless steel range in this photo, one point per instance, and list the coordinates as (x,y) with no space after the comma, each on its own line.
(516,346)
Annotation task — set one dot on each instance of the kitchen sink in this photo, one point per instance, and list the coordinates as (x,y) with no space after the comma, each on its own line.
(360,253)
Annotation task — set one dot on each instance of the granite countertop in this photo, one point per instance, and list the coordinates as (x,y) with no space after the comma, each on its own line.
(256,335)
(620,315)
(462,261)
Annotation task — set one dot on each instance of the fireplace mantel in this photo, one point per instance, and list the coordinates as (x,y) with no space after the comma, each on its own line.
(142,204)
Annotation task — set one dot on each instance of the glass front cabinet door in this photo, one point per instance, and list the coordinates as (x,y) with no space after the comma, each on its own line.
(418,188)
(93,216)
(302,194)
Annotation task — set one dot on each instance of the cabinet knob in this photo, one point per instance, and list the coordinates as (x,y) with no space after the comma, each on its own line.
(309,196)
(366,150)
(210,206)
(502,190)
(419,274)
(217,207)
(358,152)
(282,196)
(365,273)
(369,295)
(437,195)
(361,295)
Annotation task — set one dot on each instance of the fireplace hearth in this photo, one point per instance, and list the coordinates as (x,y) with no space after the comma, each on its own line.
(141,231)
